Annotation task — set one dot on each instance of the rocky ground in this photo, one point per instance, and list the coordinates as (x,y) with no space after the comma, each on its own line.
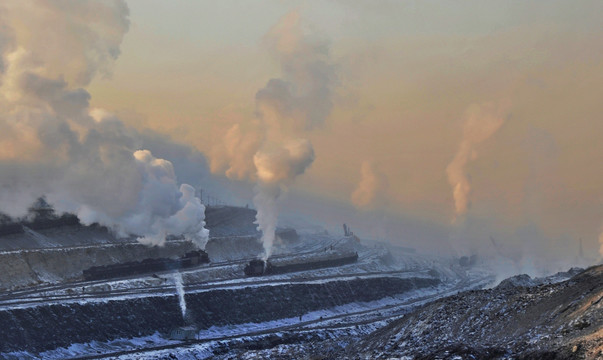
(549,321)
(521,318)
(26,328)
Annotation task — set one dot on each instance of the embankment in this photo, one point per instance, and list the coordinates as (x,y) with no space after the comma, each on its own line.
(50,326)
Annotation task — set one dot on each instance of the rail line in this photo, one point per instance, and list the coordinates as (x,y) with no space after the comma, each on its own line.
(168,289)
(302,326)
(40,290)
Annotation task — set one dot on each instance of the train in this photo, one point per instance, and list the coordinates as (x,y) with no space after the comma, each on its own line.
(190,259)
(258,267)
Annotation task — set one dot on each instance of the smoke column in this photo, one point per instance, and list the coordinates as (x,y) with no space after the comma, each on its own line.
(265,201)
(365,194)
(85,161)
(180,290)
(481,122)
(272,149)
(277,169)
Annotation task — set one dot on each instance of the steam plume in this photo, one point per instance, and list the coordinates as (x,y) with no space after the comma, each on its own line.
(364,196)
(84,160)
(481,122)
(235,155)
(180,289)
(277,169)
(271,152)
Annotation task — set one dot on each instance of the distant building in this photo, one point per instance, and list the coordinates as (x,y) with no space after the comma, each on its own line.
(184,333)
(41,209)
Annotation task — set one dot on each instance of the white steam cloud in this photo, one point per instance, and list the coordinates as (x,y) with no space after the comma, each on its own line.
(235,155)
(365,194)
(276,169)
(271,151)
(180,290)
(52,144)
(481,122)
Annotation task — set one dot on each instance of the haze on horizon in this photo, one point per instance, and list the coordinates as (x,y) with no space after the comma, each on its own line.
(432,124)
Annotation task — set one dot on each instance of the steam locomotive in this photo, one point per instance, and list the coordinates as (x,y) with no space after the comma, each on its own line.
(190,259)
(259,267)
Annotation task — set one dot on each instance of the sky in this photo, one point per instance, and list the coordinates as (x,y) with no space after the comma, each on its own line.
(426,122)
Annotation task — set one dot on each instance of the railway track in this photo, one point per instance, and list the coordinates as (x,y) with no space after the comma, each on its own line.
(42,293)
(169,290)
(312,325)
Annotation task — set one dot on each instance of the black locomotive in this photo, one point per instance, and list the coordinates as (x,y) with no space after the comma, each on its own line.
(190,259)
(262,267)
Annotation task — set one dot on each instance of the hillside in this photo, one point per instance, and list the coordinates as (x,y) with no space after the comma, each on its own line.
(551,321)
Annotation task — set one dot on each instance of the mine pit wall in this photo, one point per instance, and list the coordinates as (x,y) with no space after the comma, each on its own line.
(40,328)
(230,248)
(20,268)
(31,267)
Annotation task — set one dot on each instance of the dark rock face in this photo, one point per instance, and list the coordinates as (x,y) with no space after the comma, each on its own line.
(549,321)
(48,327)
(230,221)
(51,326)
(18,269)
(9,226)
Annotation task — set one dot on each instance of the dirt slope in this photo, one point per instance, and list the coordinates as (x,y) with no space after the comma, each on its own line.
(551,321)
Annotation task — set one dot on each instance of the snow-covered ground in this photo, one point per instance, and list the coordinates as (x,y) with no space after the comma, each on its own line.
(225,272)
(357,318)
(229,274)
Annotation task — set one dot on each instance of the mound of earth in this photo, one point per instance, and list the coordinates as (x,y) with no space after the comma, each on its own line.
(516,320)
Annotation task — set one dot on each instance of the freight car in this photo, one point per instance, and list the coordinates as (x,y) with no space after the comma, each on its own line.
(190,259)
(262,267)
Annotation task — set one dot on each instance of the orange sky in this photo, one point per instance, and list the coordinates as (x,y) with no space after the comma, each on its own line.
(407,73)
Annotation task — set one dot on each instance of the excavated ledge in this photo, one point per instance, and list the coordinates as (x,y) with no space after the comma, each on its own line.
(47,327)
(54,265)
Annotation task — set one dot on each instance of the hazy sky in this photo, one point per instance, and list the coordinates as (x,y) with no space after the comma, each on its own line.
(479,117)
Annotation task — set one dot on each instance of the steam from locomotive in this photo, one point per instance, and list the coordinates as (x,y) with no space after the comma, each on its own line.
(273,151)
